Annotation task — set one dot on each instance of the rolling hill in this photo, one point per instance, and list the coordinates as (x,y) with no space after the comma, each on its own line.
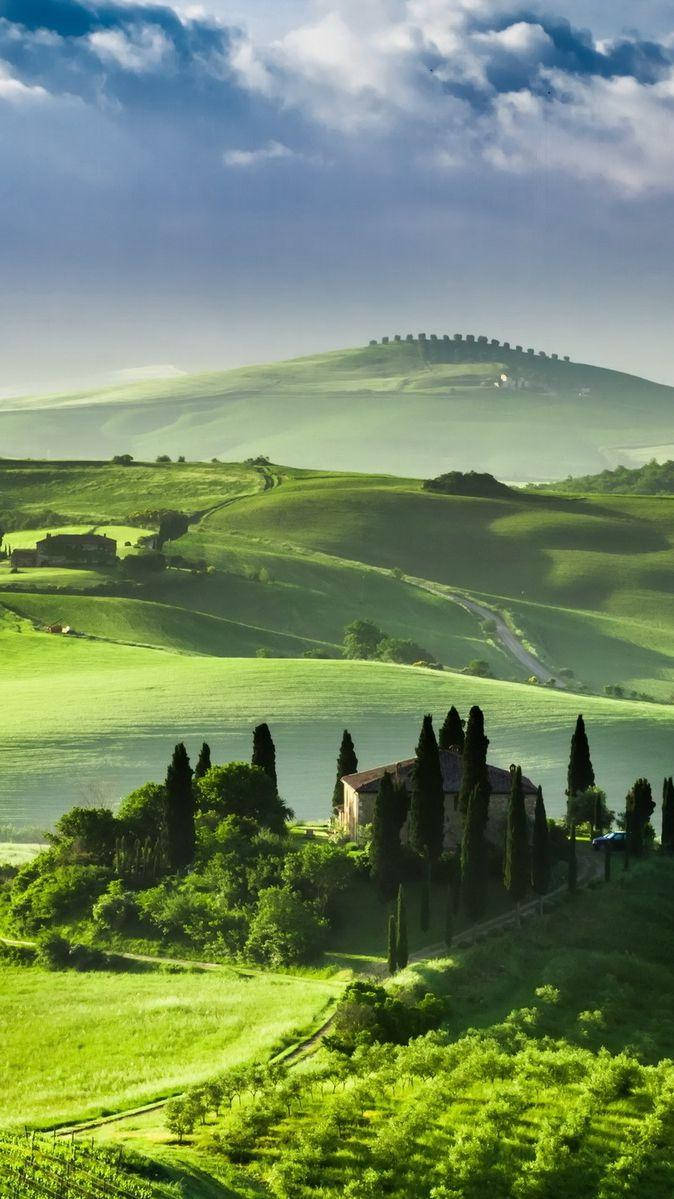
(413,407)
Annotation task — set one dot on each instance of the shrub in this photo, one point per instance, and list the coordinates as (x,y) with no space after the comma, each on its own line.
(143,812)
(284,930)
(58,894)
(115,908)
(238,789)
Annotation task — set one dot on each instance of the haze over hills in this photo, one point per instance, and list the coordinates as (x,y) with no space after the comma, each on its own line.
(413,407)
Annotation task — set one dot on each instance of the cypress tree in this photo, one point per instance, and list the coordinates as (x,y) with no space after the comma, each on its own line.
(474,858)
(180,810)
(427,806)
(667,835)
(391,952)
(264,752)
(580,775)
(573,863)
(540,853)
(203,762)
(607,864)
(385,843)
(474,760)
(402,952)
(516,860)
(449,918)
(639,809)
(452,735)
(347,763)
(425,906)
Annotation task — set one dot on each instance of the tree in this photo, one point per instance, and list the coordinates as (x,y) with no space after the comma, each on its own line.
(143,813)
(475,773)
(474,858)
(172,525)
(361,639)
(264,752)
(320,872)
(425,906)
(238,789)
(572,876)
(639,809)
(284,930)
(589,807)
(385,843)
(667,835)
(516,861)
(180,810)
(452,734)
(86,835)
(347,763)
(122,459)
(391,951)
(427,806)
(580,775)
(402,952)
(540,850)
(204,761)
(449,918)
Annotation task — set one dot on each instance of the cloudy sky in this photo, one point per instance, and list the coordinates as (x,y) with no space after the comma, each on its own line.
(206,184)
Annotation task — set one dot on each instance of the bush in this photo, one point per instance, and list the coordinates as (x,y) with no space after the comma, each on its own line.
(58,894)
(238,789)
(86,834)
(143,812)
(285,930)
(320,873)
(115,908)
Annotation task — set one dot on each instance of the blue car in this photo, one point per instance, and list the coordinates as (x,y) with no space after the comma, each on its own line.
(609,841)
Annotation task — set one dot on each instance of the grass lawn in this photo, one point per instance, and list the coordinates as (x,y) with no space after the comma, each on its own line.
(78,1045)
(16,853)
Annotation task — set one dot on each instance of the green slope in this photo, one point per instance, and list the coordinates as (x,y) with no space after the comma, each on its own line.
(395,407)
(87,721)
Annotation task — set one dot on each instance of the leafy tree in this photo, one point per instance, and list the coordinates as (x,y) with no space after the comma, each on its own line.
(402,650)
(264,752)
(86,835)
(639,809)
(122,459)
(180,830)
(320,872)
(589,807)
(391,949)
(238,789)
(172,525)
(143,812)
(384,848)
(572,876)
(667,835)
(402,951)
(203,761)
(347,763)
(452,733)
(475,773)
(361,639)
(474,858)
(427,807)
(540,850)
(449,918)
(284,930)
(516,861)
(580,775)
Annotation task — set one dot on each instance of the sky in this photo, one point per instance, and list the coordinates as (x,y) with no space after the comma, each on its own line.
(189,186)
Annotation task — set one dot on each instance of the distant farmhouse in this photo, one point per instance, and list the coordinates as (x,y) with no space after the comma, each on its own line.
(360,790)
(68,549)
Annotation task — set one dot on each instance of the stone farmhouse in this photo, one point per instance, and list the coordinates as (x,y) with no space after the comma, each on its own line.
(68,549)
(360,791)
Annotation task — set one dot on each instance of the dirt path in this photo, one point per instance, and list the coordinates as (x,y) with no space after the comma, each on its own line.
(510,642)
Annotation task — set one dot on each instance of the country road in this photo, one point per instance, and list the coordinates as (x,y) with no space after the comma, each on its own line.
(508,639)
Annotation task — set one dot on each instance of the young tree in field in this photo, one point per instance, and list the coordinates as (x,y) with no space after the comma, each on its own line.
(475,774)
(385,843)
(361,639)
(180,810)
(572,876)
(402,951)
(347,763)
(427,806)
(516,860)
(204,761)
(639,809)
(452,735)
(474,858)
(449,918)
(425,899)
(667,814)
(264,752)
(540,850)
(392,960)
(580,775)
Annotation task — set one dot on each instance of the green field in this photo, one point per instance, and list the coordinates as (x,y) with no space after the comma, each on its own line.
(394,408)
(120,1040)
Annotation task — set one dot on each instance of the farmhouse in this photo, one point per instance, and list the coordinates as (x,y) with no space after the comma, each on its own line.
(24,558)
(359,792)
(76,549)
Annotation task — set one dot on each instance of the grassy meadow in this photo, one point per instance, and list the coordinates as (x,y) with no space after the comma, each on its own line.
(79,1045)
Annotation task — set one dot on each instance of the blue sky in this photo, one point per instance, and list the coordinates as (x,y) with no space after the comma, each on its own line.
(205,184)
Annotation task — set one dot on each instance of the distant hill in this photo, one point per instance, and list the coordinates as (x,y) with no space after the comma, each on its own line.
(653,478)
(414,407)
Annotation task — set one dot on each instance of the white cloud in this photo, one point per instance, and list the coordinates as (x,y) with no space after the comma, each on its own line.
(147,50)
(271,152)
(15,92)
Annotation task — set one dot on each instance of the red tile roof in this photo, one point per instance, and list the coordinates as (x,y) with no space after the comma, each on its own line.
(450,762)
